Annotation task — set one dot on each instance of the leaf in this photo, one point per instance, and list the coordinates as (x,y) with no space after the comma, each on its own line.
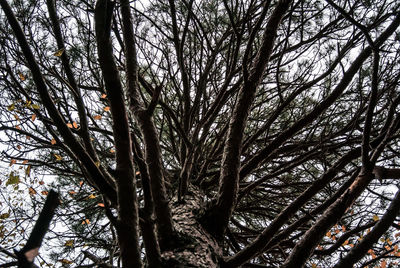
(12,162)
(25,162)
(21,76)
(11,107)
(101,205)
(32,191)
(4,216)
(107,108)
(97,163)
(65,261)
(18,127)
(375,218)
(33,118)
(53,141)
(112,150)
(58,157)
(16,117)
(35,106)
(80,183)
(86,221)
(313,265)
(44,192)
(345,243)
(383,264)
(97,117)
(41,182)
(92,196)
(12,179)
(69,243)
(59,52)
(69,125)
(137,173)
(74,124)
(71,192)
(28,171)
(103,96)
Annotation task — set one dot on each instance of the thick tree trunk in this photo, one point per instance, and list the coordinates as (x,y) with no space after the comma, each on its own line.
(195,247)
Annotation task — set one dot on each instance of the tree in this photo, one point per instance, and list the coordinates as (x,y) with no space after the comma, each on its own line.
(203,133)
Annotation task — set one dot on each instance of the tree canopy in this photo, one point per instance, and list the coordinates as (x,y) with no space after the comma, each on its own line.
(200,133)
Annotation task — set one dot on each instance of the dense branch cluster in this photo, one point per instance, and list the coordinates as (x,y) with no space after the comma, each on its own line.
(201,133)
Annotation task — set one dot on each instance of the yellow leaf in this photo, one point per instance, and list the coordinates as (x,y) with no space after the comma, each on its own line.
(97,117)
(313,265)
(92,196)
(112,151)
(53,141)
(387,247)
(107,108)
(97,163)
(16,117)
(32,191)
(75,125)
(28,171)
(11,107)
(35,106)
(59,52)
(21,76)
(69,243)
(137,173)
(345,243)
(33,117)
(86,221)
(103,96)
(69,125)
(58,157)
(65,261)
(375,218)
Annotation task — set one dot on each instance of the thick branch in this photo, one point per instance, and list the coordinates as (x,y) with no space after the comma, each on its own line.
(55,115)
(151,141)
(128,220)
(218,217)
(28,253)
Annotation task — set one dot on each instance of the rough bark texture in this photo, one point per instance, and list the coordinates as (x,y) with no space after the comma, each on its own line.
(195,247)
